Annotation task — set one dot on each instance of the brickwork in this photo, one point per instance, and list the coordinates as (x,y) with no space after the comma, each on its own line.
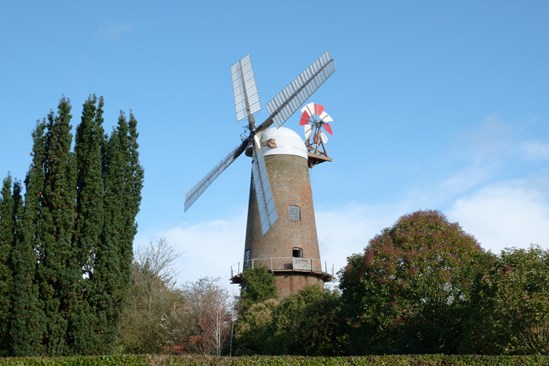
(287,284)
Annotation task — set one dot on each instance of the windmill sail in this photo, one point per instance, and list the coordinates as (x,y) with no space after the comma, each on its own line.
(246,98)
(195,192)
(285,103)
(263,192)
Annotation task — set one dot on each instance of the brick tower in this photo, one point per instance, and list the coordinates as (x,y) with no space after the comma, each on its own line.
(289,249)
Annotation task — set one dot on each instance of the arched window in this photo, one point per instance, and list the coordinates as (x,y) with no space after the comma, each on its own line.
(297,252)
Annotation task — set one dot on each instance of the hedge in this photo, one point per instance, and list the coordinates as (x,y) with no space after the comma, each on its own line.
(390,360)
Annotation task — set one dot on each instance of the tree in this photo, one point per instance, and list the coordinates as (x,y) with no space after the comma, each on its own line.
(509,313)
(8,216)
(308,323)
(209,308)
(255,308)
(409,291)
(27,332)
(147,318)
(88,223)
(58,274)
(70,252)
(254,328)
(257,286)
(111,278)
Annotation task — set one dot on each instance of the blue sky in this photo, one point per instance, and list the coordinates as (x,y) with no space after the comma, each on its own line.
(437,105)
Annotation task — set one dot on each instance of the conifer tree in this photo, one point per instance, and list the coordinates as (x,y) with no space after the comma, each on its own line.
(27,331)
(57,271)
(66,252)
(123,178)
(7,238)
(89,221)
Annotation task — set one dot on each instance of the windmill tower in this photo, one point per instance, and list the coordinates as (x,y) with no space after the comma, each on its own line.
(281,230)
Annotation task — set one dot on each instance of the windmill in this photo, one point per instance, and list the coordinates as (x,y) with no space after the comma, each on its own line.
(278,157)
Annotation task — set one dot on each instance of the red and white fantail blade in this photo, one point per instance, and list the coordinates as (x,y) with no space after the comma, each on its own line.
(308,130)
(323,137)
(305,117)
(328,128)
(319,109)
(325,117)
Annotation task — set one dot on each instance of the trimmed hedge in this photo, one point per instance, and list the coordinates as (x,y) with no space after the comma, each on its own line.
(390,360)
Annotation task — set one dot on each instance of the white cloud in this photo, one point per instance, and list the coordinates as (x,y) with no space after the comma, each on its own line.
(505,215)
(535,150)
(112,30)
(206,249)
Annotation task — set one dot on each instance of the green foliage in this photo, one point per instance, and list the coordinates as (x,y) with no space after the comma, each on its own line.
(66,264)
(254,328)
(27,331)
(257,286)
(306,323)
(89,223)
(510,308)
(8,215)
(409,291)
(157,360)
(123,180)
(56,270)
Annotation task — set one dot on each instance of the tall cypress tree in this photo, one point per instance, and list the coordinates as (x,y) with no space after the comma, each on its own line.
(7,239)
(132,196)
(89,221)
(58,274)
(71,242)
(123,178)
(27,317)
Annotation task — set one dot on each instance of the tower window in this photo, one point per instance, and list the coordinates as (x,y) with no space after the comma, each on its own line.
(247,259)
(294,212)
(297,253)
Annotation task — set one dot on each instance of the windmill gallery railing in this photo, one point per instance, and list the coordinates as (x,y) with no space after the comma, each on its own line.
(283,264)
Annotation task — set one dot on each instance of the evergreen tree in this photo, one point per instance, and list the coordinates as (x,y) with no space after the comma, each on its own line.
(258,285)
(89,222)
(27,317)
(123,179)
(66,253)
(7,238)
(58,272)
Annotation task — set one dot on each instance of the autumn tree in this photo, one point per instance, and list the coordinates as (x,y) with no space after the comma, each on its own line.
(408,292)
(147,319)
(210,310)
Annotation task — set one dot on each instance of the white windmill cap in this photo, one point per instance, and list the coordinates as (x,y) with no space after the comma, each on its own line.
(287,142)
